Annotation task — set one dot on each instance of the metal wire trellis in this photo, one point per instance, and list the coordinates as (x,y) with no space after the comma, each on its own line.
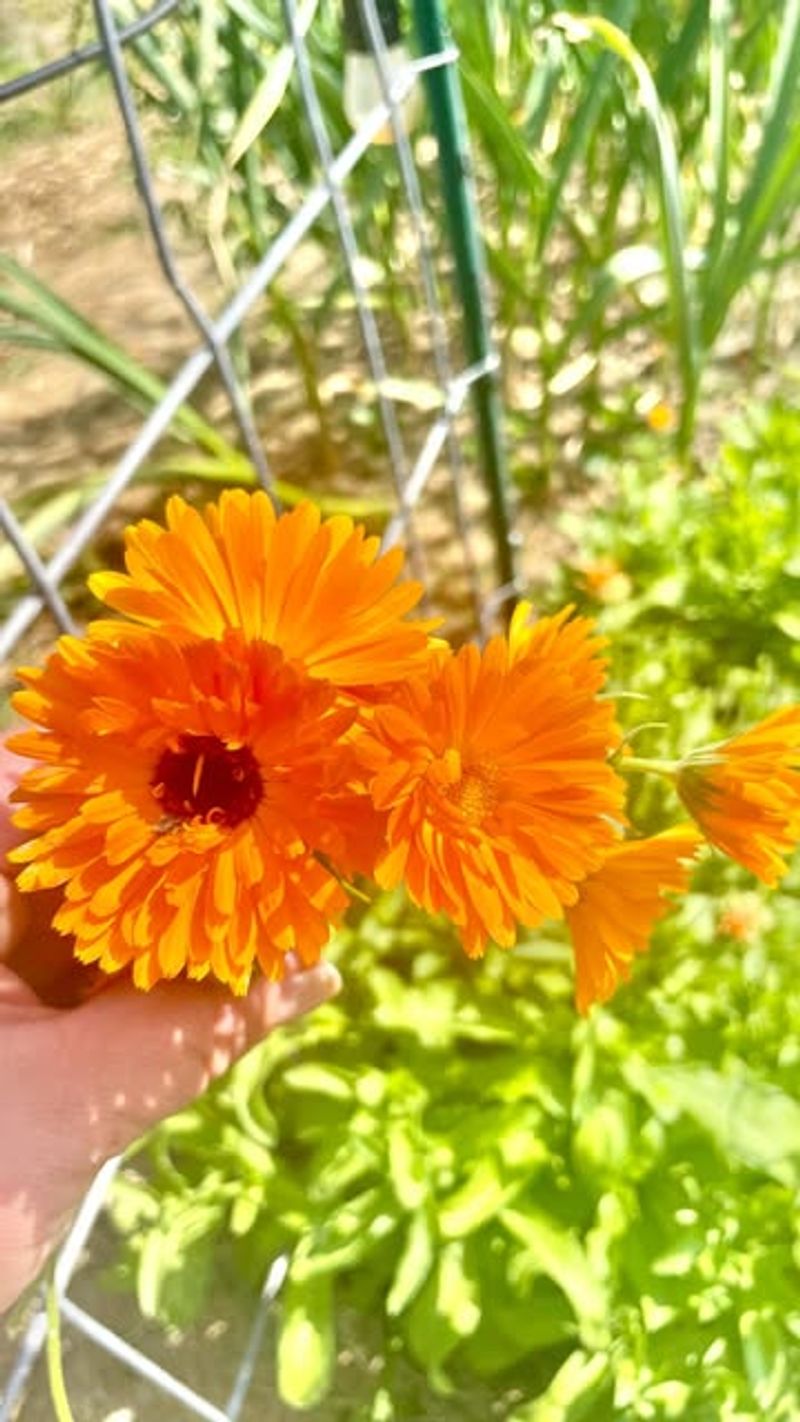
(411,476)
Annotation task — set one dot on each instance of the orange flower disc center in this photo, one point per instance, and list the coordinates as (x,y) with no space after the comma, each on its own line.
(206,779)
(475,793)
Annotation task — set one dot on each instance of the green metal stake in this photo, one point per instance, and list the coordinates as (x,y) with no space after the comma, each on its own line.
(450,127)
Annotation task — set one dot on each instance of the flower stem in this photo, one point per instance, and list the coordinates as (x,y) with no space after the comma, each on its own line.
(667,768)
(55,1366)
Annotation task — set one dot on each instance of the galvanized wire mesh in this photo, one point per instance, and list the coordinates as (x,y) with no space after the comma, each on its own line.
(411,470)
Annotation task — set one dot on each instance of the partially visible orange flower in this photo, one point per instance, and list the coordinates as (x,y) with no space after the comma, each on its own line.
(743,917)
(606,580)
(661,417)
(494,776)
(318,590)
(745,793)
(619,905)
(189,797)
(572,642)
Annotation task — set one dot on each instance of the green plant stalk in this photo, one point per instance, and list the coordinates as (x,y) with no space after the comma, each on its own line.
(582,27)
(719,121)
(70,332)
(678,57)
(55,1362)
(648,766)
(582,127)
(285,314)
(449,124)
(773,181)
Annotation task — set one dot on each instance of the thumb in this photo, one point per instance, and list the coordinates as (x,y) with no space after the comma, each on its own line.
(137,1057)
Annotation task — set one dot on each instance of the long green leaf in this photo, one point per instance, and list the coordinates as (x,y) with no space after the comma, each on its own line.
(582,126)
(306,1341)
(489,117)
(580,28)
(678,57)
(774,182)
(70,332)
(559,1254)
(721,18)
(270,92)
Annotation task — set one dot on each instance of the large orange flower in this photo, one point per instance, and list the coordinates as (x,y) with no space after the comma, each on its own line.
(494,776)
(619,905)
(190,797)
(318,590)
(745,793)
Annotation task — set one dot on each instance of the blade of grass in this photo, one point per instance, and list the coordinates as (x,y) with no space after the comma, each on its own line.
(490,118)
(720,20)
(270,92)
(678,58)
(68,331)
(178,467)
(254,18)
(582,126)
(208,49)
(580,28)
(176,85)
(773,184)
(542,88)
(55,1361)
(509,149)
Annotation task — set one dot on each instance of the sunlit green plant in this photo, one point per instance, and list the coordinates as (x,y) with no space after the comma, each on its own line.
(564,1218)
(581,1212)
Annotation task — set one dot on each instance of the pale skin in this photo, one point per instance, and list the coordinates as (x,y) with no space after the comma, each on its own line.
(88,1065)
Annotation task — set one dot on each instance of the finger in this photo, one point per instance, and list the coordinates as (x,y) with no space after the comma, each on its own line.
(11,768)
(137,1057)
(42,957)
(28,942)
(13,917)
(16,995)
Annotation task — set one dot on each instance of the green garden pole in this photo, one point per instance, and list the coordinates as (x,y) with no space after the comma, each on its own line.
(450,128)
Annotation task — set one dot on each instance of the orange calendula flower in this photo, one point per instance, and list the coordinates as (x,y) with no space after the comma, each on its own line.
(319,590)
(743,917)
(191,798)
(745,793)
(493,773)
(619,905)
(605,580)
(571,641)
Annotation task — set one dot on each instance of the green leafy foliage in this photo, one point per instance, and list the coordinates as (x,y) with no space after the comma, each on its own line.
(553,1218)
(708,626)
(577,1210)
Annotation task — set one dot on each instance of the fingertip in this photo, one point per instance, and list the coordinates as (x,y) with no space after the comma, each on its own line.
(272,1003)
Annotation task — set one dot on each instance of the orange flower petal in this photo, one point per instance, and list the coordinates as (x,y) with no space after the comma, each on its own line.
(493,773)
(745,793)
(320,591)
(183,794)
(620,903)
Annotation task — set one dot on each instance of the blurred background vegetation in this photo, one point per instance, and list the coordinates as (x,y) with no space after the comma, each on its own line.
(493,1209)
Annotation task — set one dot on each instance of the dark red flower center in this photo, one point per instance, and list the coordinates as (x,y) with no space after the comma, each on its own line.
(208,780)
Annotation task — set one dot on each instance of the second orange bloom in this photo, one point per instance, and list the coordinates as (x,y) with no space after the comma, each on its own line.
(493,771)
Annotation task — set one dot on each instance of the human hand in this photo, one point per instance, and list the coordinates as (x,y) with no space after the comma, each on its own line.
(80,1083)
